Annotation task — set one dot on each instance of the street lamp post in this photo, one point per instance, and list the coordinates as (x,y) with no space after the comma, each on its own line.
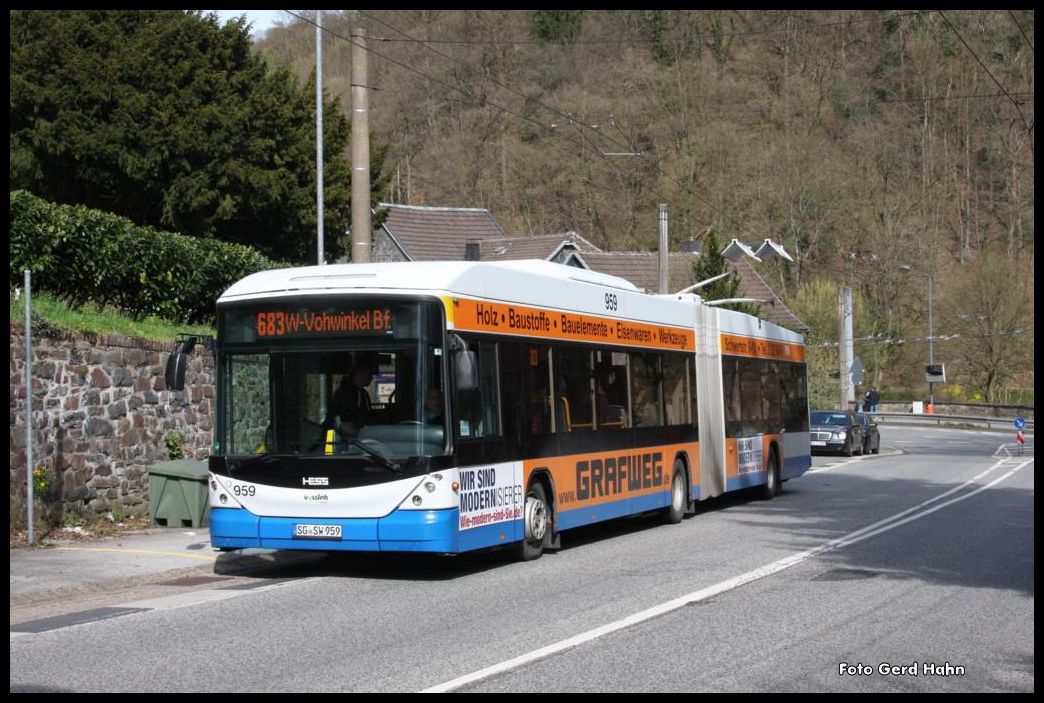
(931,339)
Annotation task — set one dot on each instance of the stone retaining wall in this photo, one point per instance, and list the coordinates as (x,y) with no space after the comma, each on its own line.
(101,415)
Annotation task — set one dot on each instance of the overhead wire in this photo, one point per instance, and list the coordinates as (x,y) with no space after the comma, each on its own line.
(582,144)
(655,163)
(670,40)
(1014,102)
(1023,31)
(480,101)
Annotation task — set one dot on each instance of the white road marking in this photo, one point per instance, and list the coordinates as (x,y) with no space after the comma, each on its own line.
(775,567)
(182,600)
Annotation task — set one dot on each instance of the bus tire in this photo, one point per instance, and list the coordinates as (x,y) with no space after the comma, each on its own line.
(771,486)
(536,523)
(678,500)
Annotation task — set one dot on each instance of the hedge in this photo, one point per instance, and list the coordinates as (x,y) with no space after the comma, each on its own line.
(83,255)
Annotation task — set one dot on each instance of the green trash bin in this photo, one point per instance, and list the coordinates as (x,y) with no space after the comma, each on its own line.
(178,493)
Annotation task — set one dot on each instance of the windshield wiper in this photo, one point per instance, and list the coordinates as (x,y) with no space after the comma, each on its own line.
(381,460)
(261,458)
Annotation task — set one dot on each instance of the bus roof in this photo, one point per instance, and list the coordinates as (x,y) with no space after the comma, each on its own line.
(506,280)
(536,283)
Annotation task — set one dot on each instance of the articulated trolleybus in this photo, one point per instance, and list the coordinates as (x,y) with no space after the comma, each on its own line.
(447,407)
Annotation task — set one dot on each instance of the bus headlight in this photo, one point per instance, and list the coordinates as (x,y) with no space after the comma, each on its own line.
(429,487)
(221,494)
(417,500)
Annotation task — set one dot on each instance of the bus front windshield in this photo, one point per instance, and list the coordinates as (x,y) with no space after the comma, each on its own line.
(332,378)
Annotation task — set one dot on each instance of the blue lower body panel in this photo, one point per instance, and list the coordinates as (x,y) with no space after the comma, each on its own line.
(796,466)
(401,531)
(608,511)
(754,478)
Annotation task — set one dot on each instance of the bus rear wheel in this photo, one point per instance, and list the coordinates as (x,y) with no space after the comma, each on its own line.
(536,521)
(673,515)
(771,486)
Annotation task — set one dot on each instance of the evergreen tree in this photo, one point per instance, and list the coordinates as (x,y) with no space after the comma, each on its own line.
(711,263)
(557,25)
(166,117)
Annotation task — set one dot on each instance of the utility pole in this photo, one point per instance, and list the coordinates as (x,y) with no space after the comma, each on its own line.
(319,134)
(931,346)
(663,256)
(845,346)
(361,223)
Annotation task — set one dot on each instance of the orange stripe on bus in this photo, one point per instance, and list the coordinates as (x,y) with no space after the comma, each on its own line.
(584,480)
(736,345)
(498,318)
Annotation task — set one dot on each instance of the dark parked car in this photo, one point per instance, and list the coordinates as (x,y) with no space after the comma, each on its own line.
(871,435)
(835,431)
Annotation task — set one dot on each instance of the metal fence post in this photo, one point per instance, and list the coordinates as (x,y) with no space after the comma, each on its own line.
(29,407)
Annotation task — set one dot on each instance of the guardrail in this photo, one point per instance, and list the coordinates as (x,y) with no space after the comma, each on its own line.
(1007,423)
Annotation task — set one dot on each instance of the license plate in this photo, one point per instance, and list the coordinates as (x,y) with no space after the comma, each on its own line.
(818,444)
(318,531)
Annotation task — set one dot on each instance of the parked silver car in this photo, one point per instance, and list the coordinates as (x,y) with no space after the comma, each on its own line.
(835,431)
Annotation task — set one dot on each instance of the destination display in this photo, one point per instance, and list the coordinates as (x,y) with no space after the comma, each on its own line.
(297,323)
(736,345)
(498,318)
(294,320)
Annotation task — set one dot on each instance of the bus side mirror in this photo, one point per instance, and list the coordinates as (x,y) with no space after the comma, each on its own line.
(466,367)
(465,364)
(177,362)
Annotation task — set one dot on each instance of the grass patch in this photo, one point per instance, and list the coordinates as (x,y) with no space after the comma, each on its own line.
(51,316)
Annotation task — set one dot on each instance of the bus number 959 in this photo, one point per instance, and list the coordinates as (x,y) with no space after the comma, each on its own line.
(610,301)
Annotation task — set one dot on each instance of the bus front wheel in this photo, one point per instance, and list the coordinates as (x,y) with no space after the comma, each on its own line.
(537,523)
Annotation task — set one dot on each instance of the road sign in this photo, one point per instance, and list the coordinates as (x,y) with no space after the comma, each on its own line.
(857,371)
(935,373)
(1020,422)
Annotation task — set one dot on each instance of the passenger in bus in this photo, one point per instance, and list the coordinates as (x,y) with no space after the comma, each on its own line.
(538,417)
(350,406)
(433,405)
(646,414)
(601,399)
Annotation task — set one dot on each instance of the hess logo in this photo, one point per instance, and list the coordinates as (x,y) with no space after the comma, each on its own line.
(315,481)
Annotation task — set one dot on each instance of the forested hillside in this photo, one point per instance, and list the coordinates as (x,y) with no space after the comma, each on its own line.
(861,140)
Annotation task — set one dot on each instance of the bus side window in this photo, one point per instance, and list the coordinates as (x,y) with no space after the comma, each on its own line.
(611,389)
(477,410)
(730,391)
(573,389)
(676,389)
(646,403)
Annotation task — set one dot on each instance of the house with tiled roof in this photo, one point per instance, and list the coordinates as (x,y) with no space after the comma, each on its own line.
(567,248)
(422,233)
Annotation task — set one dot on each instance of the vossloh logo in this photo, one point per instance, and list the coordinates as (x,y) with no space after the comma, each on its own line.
(315,481)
